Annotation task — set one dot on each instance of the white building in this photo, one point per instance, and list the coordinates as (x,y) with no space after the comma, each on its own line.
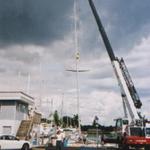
(14,107)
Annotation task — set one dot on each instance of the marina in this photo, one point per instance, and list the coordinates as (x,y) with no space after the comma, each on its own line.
(57,88)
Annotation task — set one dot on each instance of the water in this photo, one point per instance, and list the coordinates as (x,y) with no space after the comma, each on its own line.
(94,138)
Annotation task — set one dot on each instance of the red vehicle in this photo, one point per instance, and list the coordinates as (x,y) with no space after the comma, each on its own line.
(132,130)
(132,135)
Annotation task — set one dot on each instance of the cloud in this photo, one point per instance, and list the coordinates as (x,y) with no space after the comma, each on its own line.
(125,23)
(98,103)
(33,21)
(37,38)
(20,54)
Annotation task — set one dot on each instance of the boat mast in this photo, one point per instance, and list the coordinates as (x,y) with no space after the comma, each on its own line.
(76,38)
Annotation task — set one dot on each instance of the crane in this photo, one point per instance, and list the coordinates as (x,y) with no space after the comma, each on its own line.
(132,129)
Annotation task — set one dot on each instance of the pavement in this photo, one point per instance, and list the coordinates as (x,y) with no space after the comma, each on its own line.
(106,147)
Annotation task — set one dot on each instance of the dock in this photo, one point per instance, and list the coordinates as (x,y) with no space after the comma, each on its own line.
(84,147)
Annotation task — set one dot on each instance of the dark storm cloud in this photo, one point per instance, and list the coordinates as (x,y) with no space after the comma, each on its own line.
(131,21)
(125,22)
(33,21)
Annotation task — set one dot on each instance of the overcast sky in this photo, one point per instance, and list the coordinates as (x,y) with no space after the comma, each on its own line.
(37,39)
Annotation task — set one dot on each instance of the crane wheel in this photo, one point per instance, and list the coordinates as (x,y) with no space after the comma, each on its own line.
(125,147)
(25,146)
(147,147)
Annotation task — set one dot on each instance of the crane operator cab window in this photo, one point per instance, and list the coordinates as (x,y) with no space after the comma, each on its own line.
(147,132)
(125,122)
(136,131)
(121,122)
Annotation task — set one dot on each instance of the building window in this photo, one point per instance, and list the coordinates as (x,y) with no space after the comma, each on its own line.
(19,107)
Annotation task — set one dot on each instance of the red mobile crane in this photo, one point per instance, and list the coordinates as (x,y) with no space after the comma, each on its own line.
(132,130)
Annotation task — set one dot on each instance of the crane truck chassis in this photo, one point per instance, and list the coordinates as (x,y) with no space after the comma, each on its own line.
(133,130)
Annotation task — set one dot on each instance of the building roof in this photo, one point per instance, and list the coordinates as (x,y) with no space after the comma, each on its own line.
(17,96)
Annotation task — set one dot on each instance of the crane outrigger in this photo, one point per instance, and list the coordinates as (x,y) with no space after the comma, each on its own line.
(133,130)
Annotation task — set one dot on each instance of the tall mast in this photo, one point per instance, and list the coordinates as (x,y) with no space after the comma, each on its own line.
(76,38)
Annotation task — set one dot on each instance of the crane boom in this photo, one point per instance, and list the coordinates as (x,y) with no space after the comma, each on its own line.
(130,84)
(102,31)
(133,131)
(128,90)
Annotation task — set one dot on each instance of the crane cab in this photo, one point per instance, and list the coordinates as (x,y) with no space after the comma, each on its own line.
(132,134)
(140,130)
(121,123)
(121,127)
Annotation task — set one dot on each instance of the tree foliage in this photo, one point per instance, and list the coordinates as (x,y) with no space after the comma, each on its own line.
(56,118)
(68,121)
(76,120)
(95,122)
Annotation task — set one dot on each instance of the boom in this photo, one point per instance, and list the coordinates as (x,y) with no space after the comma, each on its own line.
(102,31)
(133,131)
(128,91)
